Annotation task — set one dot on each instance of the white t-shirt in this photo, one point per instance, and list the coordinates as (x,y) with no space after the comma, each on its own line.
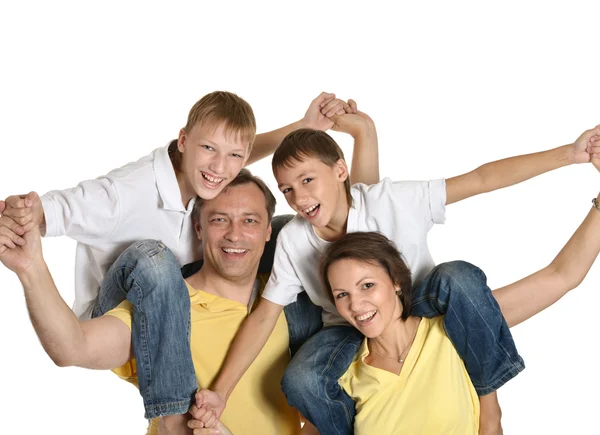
(404,211)
(139,201)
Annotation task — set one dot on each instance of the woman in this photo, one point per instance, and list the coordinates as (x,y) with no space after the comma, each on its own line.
(407,377)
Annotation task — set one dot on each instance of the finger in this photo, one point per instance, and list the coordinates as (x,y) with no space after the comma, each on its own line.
(207,416)
(16,201)
(206,431)
(331,105)
(197,411)
(212,420)
(195,424)
(31,199)
(28,227)
(353,105)
(2,206)
(6,241)
(2,249)
(323,98)
(6,222)
(12,236)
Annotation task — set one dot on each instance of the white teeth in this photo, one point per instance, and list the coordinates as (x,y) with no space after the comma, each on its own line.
(311,208)
(212,179)
(365,316)
(234,251)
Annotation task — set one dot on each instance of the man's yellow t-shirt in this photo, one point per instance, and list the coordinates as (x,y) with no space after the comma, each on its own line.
(257,406)
(432,395)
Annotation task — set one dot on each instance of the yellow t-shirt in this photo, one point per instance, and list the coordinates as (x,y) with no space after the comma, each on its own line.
(257,406)
(432,395)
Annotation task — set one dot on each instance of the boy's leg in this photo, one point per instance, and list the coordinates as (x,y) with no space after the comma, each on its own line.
(304,320)
(473,321)
(147,274)
(310,383)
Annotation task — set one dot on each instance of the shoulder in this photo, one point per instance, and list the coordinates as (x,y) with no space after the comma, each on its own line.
(145,167)
(294,230)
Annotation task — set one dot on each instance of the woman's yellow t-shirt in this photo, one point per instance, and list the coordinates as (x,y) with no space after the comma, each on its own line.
(257,405)
(432,395)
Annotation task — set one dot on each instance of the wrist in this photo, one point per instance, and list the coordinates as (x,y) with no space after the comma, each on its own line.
(31,272)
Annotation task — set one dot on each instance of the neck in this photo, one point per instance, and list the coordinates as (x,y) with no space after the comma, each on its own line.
(396,337)
(209,280)
(336,228)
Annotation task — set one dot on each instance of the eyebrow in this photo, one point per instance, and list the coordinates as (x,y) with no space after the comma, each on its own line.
(223,213)
(210,142)
(362,279)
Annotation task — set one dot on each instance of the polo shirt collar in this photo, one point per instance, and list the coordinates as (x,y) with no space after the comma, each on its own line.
(166,182)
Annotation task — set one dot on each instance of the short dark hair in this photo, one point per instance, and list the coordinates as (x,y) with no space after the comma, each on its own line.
(306,143)
(244,177)
(373,248)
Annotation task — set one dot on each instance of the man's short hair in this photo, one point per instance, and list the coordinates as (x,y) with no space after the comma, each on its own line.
(244,177)
(308,143)
(214,109)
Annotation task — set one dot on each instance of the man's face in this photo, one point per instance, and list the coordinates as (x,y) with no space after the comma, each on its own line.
(234,229)
(211,159)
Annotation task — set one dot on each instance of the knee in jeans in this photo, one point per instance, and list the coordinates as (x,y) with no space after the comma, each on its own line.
(151,255)
(297,382)
(457,270)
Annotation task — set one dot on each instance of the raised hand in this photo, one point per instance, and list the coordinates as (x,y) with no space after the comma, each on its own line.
(21,258)
(25,210)
(354,123)
(322,108)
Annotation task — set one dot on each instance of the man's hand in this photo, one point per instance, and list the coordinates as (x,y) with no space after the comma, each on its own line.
(354,124)
(208,407)
(321,109)
(582,150)
(20,258)
(25,210)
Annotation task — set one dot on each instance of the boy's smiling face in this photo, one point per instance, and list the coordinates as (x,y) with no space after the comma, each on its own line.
(313,189)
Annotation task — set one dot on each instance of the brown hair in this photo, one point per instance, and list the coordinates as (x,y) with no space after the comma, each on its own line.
(244,177)
(373,248)
(306,143)
(217,108)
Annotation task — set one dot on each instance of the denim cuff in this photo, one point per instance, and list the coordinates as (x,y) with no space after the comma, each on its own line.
(513,369)
(171,408)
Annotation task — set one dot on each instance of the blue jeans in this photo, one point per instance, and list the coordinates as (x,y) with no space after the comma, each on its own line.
(148,275)
(473,321)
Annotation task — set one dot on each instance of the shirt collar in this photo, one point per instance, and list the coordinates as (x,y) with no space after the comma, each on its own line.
(166,182)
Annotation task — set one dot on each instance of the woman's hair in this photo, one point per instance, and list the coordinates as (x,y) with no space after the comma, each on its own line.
(373,248)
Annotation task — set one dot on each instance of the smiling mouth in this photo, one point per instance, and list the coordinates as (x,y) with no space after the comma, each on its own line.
(365,318)
(234,251)
(212,181)
(312,210)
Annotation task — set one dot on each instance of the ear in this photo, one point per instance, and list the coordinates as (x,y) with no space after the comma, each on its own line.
(198,230)
(181,141)
(341,170)
(269,231)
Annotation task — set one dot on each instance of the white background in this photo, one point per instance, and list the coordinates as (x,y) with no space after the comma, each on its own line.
(86,88)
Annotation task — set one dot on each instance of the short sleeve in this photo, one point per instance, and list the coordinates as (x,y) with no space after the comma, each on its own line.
(284,285)
(128,370)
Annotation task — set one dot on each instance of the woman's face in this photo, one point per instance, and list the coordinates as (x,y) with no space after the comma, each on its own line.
(364,295)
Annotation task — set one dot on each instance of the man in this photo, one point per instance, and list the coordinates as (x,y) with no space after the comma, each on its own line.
(233,227)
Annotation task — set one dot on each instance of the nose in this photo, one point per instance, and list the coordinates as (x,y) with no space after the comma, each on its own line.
(234,232)
(355,303)
(217,164)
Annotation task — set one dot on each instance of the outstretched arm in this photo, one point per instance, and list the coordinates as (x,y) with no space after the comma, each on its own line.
(525,298)
(514,170)
(316,117)
(102,343)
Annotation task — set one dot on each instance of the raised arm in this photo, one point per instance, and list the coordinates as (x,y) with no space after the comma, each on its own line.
(102,343)
(316,117)
(514,170)
(365,157)
(525,298)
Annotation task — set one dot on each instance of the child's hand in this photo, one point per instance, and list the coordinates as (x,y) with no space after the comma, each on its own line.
(583,149)
(354,124)
(321,108)
(25,210)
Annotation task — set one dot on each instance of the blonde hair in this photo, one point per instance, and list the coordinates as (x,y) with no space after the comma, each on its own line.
(214,109)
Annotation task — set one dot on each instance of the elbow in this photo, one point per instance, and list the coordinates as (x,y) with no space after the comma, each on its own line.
(567,280)
(61,361)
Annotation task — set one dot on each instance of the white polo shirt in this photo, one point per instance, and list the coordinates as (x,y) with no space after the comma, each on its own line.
(403,211)
(139,201)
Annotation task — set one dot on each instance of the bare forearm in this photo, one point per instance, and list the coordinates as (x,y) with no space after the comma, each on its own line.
(56,325)
(246,346)
(506,172)
(365,158)
(265,144)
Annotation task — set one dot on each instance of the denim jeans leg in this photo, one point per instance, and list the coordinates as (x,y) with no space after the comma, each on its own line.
(473,321)
(304,320)
(310,383)
(148,275)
